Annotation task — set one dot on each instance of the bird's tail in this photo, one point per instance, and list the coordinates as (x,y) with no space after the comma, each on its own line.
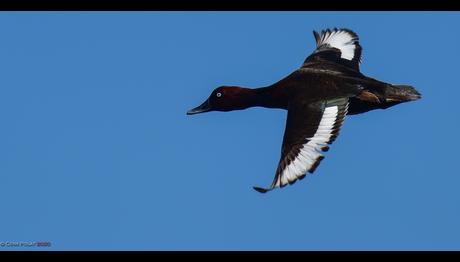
(401,93)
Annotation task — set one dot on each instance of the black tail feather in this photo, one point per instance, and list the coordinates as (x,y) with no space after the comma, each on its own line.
(402,93)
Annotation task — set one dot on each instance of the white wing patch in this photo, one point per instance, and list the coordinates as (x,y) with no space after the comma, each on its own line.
(310,154)
(344,40)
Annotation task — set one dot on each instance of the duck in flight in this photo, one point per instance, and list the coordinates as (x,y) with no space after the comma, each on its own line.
(327,87)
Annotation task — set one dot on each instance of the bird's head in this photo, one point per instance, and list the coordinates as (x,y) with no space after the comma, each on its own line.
(224,98)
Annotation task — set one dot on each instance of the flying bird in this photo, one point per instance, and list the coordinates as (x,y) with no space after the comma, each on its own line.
(327,87)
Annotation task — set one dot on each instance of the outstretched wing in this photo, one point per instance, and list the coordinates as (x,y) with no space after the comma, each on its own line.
(309,130)
(340,46)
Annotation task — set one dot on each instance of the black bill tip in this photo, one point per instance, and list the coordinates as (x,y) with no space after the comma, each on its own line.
(205,107)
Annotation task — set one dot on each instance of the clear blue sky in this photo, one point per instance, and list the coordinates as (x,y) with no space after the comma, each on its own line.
(97,153)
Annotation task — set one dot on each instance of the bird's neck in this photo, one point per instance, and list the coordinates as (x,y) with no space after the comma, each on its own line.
(262,97)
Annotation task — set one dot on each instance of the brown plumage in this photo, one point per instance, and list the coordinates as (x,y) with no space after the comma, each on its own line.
(318,96)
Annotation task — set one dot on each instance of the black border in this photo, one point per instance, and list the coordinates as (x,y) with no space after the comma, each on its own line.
(231,255)
(229,5)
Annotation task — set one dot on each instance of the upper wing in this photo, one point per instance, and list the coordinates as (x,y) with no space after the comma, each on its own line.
(339,46)
(309,130)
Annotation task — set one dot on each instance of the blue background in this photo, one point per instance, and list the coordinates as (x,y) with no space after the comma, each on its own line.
(96,152)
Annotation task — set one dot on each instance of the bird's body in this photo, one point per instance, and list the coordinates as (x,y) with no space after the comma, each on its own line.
(318,96)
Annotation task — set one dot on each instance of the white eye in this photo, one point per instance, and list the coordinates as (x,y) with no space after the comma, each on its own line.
(219,94)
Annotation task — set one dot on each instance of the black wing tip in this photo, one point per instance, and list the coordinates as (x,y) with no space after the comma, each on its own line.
(348,31)
(344,29)
(261,190)
(317,37)
(336,29)
(316,164)
(293,181)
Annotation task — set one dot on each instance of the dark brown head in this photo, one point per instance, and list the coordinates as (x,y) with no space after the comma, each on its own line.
(225,98)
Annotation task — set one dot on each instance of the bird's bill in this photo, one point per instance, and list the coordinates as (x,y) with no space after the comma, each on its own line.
(205,107)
